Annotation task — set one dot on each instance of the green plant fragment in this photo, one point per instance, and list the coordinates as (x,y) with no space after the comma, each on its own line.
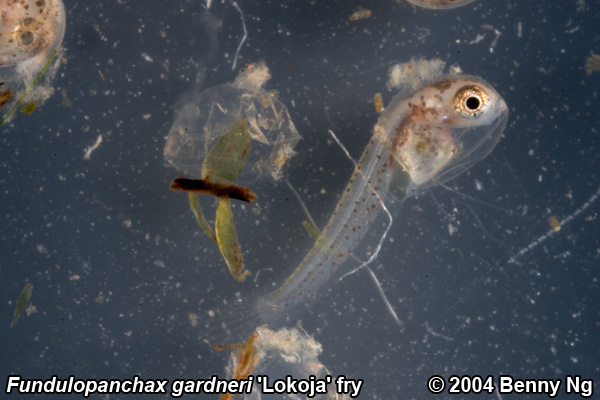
(197,210)
(28,90)
(29,107)
(22,303)
(312,230)
(228,156)
(227,240)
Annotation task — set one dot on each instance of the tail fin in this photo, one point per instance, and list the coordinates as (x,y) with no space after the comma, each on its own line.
(231,323)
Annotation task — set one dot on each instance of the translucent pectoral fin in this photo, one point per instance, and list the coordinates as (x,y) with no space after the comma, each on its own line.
(399,184)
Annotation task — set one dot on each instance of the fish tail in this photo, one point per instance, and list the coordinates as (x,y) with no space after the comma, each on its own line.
(232,323)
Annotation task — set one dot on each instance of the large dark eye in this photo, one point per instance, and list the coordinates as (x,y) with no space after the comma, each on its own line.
(472,103)
(469,101)
(25,35)
(26,38)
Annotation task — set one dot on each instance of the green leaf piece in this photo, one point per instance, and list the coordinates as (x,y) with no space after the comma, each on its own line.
(228,156)
(312,230)
(28,90)
(29,107)
(197,210)
(228,240)
(220,168)
(22,303)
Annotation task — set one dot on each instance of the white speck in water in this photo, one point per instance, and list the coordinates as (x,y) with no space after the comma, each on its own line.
(451,229)
(147,57)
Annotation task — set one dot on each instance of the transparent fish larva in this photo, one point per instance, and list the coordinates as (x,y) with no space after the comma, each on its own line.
(420,140)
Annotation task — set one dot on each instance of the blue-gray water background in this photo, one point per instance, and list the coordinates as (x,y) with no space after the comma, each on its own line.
(118,262)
